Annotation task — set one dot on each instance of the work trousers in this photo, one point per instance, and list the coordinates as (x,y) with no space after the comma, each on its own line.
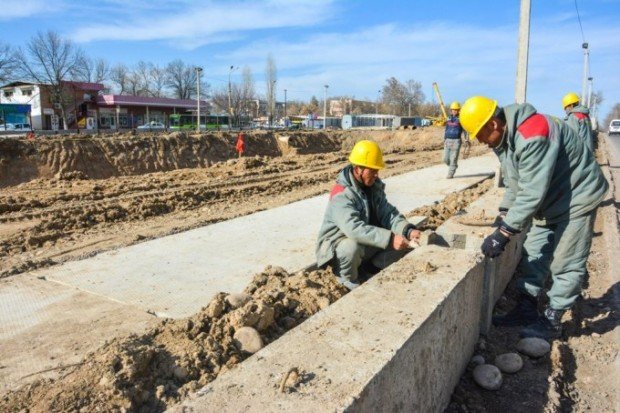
(560,250)
(451,148)
(350,255)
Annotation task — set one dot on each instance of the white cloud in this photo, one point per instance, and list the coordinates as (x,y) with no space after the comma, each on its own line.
(14,9)
(193,24)
(463,60)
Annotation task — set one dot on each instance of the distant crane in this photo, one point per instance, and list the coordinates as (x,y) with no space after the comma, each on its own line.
(439,121)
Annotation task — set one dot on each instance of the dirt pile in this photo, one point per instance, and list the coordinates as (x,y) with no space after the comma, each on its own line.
(438,213)
(104,156)
(146,373)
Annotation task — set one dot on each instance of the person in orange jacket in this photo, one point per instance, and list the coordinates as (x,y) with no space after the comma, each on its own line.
(240,144)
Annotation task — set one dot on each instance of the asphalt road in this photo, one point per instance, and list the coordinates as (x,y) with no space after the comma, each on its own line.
(614,162)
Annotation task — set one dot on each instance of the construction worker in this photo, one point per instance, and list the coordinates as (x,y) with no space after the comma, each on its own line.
(452,139)
(578,118)
(553,181)
(360,226)
(240,147)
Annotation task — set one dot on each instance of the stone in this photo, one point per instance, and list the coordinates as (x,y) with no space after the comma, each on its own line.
(180,372)
(238,300)
(488,377)
(509,362)
(533,347)
(477,360)
(248,339)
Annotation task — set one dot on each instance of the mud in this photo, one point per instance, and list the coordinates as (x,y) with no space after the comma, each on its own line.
(148,372)
(64,213)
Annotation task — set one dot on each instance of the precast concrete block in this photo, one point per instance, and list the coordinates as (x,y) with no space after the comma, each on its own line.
(400,342)
(467,230)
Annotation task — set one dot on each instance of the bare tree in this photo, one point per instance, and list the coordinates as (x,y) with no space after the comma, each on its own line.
(271,77)
(51,60)
(219,98)
(157,81)
(242,97)
(181,79)
(8,62)
(118,76)
(401,98)
(89,70)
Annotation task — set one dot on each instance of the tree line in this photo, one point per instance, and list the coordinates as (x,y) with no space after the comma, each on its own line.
(47,58)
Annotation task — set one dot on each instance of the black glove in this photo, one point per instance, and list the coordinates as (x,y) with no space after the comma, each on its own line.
(499,219)
(494,244)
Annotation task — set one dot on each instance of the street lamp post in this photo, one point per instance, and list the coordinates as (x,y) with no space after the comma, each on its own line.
(325,107)
(198,71)
(230,109)
(285,121)
(274,108)
(377,104)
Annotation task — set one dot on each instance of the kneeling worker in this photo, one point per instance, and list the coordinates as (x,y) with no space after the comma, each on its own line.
(360,225)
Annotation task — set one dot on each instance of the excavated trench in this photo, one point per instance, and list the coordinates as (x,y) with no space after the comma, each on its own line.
(159,368)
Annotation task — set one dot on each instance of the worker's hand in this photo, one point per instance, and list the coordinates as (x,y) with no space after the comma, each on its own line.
(414,235)
(399,242)
(494,244)
(500,218)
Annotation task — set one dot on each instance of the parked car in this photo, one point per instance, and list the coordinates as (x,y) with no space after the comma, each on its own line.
(153,125)
(614,127)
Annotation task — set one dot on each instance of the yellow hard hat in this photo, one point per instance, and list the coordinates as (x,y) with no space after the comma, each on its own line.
(455,105)
(476,111)
(569,99)
(367,154)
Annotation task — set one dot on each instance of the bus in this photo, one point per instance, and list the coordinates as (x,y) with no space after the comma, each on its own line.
(187,121)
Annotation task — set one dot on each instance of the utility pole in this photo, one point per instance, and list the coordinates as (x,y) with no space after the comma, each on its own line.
(586,69)
(325,107)
(523,51)
(230,109)
(285,118)
(198,71)
(588,103)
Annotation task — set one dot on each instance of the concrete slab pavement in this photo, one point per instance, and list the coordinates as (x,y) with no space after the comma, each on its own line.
(176,275)
(45,325)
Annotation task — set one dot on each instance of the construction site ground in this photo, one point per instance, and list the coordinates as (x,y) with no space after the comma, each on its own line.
(64,199)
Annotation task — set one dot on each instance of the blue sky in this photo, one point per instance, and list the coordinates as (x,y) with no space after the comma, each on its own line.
(468,47)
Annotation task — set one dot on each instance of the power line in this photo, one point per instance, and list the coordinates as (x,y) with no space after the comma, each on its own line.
(580,26)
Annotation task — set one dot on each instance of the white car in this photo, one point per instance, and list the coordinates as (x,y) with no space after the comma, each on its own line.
(153,125)
(614,127)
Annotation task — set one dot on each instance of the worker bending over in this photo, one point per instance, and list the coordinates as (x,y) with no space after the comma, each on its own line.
(578,118)
(553,179)
(360,226)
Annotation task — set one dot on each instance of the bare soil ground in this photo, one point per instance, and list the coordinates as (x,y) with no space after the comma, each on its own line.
(61,213)
(150,371)
(581,373)
(67,215)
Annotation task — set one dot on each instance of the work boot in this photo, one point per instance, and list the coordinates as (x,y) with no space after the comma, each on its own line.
(524,313)
(450,175)
(548,326)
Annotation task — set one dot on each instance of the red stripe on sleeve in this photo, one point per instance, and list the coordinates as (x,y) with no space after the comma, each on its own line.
(535,125)
(335,191)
